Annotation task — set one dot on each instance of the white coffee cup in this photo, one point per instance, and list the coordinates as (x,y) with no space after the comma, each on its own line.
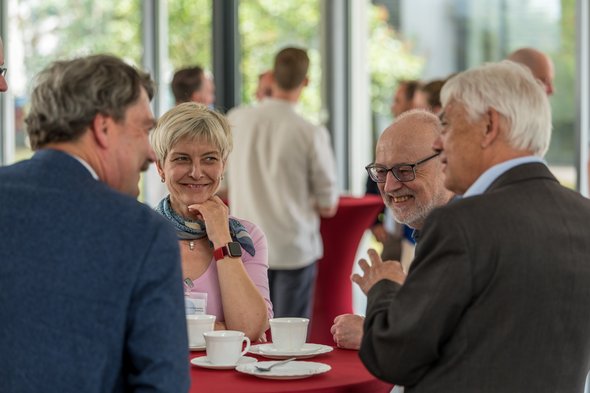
(224,347)
(288,334)
(197,325)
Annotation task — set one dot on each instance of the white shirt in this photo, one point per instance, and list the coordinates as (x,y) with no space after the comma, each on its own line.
(281,170)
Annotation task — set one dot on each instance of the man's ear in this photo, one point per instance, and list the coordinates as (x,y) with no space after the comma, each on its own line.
(306,81)
(100,129)
(492,130)
(196,96)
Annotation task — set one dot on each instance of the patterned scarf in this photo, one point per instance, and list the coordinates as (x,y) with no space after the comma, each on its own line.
(195,229)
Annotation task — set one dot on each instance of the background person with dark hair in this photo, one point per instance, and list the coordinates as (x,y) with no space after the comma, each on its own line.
(193,84)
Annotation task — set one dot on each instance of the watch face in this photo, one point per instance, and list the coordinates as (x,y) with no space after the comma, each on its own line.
(234,249)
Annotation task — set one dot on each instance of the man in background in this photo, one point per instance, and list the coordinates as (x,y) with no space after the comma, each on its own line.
(497,291)
(281,176)
(403,99)
(539,63)
(428,96)
(264,88)
(92,296)
(404,150)
(193,84)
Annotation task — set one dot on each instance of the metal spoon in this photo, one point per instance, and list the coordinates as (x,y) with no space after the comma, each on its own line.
(267,368)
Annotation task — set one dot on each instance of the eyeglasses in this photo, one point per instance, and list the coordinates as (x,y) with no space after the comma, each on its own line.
(402,172)
(3,71)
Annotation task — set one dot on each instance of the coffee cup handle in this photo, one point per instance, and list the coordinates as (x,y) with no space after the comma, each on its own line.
(245,351)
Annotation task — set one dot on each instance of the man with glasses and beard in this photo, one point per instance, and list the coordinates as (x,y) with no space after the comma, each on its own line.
(408,174)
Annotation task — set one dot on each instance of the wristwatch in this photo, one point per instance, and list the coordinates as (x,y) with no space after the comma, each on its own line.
(231,249)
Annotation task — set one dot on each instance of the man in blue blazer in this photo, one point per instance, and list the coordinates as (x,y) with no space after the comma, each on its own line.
(498,296)
(90,279)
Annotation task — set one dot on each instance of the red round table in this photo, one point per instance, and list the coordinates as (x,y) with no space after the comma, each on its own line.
(341,235)
(348,375)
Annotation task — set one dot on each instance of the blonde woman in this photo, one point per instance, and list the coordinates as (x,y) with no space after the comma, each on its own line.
(224,259)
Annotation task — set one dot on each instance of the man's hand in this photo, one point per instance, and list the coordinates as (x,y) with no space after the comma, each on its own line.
(348,331)
(377,271)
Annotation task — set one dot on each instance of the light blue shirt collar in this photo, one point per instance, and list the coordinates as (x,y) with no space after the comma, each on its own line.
(488,177)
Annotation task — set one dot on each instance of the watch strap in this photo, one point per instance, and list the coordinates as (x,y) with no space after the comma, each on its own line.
(226,251)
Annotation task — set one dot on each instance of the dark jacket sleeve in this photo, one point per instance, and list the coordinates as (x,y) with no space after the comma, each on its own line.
(406,326)
(157,344)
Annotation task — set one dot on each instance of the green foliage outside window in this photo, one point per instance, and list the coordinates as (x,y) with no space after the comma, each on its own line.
(189,33)
(390,61)
(267,26)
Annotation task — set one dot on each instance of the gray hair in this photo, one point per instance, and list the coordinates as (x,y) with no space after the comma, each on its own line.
(191,120)
(69,94)
(513,91)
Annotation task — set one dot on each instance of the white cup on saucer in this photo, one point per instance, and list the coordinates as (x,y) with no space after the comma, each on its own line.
(224,347)
(196,326)
(288,334)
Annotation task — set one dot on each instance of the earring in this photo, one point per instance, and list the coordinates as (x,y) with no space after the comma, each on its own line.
(162,180)
(221,178)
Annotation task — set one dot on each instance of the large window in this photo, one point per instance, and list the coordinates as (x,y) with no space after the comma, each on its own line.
(458,34)
(267,26)
(189,36)
(41,31)
(402,42)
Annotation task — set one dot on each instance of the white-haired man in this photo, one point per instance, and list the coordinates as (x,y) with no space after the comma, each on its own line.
(497,298)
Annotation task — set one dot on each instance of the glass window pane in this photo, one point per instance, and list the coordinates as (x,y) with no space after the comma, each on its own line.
(267,26)
(189,36)
(458,34)
(41,31)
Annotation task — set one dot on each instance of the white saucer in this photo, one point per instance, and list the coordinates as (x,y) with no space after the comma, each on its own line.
(291,370)
(197,347)
(307,351)
(204,362)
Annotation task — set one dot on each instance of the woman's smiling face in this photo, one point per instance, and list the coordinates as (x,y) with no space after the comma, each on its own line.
(192,171)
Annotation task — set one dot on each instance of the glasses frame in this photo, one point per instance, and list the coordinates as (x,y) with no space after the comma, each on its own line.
(3,71)
(396,167)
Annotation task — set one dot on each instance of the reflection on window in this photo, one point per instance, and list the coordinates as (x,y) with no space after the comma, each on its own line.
(42,31)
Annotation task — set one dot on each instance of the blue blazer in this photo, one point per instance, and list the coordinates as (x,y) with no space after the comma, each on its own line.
(90,285)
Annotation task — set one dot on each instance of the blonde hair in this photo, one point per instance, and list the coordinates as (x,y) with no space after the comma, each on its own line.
(194,121)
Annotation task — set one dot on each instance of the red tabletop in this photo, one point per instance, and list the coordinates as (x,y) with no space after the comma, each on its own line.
(348,375)
(341,235)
